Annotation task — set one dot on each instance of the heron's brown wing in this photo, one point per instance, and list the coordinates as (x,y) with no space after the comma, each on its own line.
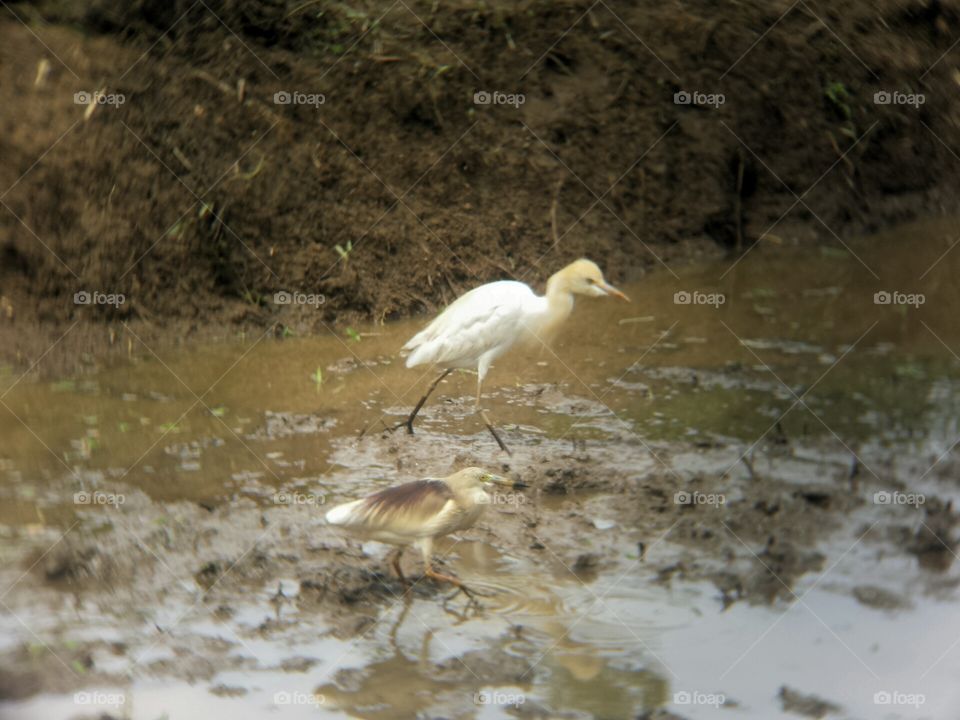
(405,507)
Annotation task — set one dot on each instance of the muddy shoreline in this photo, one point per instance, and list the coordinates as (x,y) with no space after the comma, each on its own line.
(212,562)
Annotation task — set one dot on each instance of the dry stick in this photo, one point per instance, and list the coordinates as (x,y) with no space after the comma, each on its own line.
(232,92)
(836,148)
(739,200)
(177,153)
(553,211)
(302,7)
(748,462)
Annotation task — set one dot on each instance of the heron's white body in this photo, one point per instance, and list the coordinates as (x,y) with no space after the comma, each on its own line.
(484,323)
(417,512)
(453,516)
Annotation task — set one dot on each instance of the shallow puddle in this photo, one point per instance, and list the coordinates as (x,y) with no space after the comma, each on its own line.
(787,367)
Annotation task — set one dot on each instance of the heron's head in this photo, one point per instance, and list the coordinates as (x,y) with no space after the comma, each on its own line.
(583,277)
(474,477)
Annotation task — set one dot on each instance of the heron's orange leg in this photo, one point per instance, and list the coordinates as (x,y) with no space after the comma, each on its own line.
(456,582)
(395,562)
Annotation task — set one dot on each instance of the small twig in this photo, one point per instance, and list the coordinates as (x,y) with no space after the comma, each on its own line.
(208,78)
(182,158)
(841,155)
(301,7)
(232,92)
(781,433)
(500,266)
(560,63)
(738,210)
(553,211)
(249,175)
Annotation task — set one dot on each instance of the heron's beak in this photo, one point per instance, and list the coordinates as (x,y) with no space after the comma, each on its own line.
(613,292)
(505,482)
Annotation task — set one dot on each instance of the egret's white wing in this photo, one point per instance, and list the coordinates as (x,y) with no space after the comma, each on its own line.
(487,317)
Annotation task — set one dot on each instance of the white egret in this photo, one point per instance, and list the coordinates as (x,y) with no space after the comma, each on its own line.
(484,323)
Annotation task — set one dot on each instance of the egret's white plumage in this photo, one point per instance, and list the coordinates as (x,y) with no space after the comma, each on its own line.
(484,323)
(479,327)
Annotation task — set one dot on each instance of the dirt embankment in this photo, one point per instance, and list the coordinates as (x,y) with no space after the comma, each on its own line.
(199,197)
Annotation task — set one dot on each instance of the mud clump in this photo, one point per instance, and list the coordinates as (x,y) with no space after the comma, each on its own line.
(566,480)
(781,564)
(285,424)
(807,705)
(879,598)
(35,668)
(77,564)
(933,542)
(348,585)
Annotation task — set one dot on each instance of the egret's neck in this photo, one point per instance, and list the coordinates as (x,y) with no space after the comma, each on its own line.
(559,300)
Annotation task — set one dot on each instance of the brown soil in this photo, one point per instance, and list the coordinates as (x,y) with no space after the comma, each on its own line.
(198,200)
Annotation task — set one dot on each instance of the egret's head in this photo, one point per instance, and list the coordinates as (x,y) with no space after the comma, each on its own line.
(583,277)
(477,477)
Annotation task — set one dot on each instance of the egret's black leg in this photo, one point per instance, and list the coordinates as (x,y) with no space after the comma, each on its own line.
(423,400)
(493,431)
(486,420)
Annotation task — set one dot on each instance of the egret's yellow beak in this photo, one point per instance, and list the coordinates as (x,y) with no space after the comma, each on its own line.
(505,482)
(612,291)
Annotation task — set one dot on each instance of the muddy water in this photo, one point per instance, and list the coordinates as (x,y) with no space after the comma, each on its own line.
(781,369)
